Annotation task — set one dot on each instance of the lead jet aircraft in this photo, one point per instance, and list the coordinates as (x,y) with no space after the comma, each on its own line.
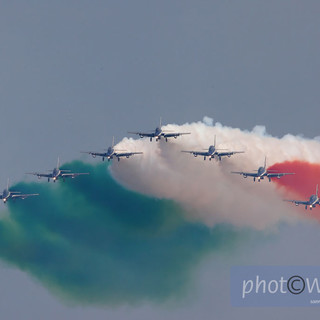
(213,152)
(57,173)
(263,172)
(112,152)
(158,133)
(9,194)
(311,203)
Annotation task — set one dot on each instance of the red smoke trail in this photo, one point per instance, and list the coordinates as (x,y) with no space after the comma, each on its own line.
(303,183)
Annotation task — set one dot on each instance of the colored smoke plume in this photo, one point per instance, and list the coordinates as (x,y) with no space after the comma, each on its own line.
(303,184)
(91,241)
(207,189)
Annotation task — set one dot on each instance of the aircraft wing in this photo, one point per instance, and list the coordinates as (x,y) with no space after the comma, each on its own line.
(228,153)
(246,174)
(126,154)
(196,153)
(174,134)
(279,174)
(72,174)
(297,202)
(94,154)
(23,196)
(143,134)
(39,175)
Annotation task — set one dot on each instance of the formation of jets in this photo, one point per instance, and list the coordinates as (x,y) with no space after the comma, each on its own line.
(54,174)
(262,172)
(158,133)
(57,173)
(9,194)
(213,152)
(112,152)
(311,203)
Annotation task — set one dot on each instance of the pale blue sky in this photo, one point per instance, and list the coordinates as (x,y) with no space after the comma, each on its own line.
(75,73)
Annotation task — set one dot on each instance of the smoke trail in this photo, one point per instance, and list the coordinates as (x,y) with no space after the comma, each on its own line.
(305,180)
(208,189)
(92,241)
(303,184)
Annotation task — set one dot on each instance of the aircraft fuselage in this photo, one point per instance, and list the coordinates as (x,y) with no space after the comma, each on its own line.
(110,153)
(211,151)
(55,174)
(158,133)
(313,200)
(5,195)
(261,173)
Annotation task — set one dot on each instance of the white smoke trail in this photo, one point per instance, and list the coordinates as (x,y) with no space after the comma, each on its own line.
(207,189)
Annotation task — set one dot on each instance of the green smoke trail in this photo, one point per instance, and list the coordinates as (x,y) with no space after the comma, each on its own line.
(92,241)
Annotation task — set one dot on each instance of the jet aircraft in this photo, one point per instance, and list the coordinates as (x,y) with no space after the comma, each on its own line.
(311,203)
(158,133)
(57,173)
(9,194)
(112,152)
(263,172)
(213,152)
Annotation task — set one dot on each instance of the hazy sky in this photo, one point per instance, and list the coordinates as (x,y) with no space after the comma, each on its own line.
(73,74)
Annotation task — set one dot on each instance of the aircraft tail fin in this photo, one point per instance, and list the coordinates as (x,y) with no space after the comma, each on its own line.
(265,162)
(58,163)
(8,182)
(214,143)
(112,142)
(160,122)
(317,191)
